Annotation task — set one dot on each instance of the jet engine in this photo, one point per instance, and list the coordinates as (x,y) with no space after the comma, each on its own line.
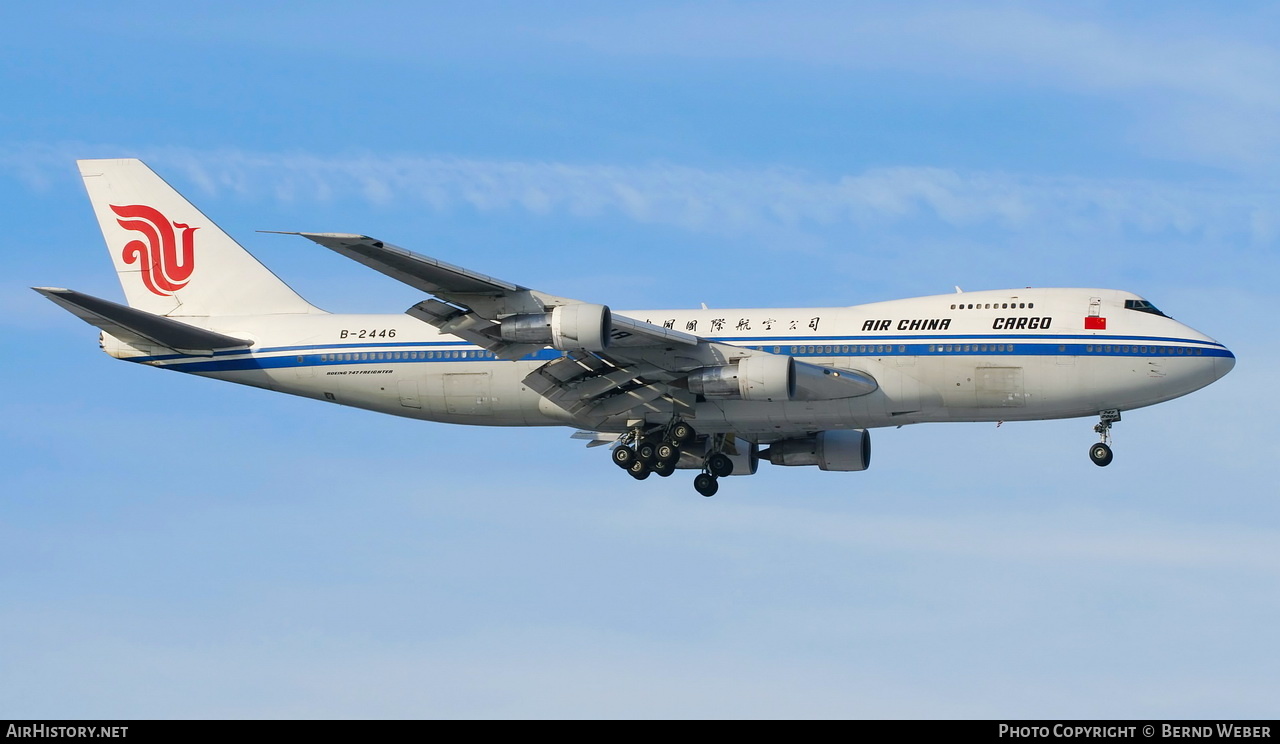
(761,377)
(847,450)
(566,327)
(773,377)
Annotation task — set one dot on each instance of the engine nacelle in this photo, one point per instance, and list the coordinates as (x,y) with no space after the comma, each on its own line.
(746,461)
(566,327)
(845,450)
(760,377)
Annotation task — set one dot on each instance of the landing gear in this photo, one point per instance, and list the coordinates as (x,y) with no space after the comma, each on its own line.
(658,451)
(681,433)
(1100,453)
(719,465)
(639,470)
(623,456)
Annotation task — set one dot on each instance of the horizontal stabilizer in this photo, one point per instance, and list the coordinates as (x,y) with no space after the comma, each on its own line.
(140,327)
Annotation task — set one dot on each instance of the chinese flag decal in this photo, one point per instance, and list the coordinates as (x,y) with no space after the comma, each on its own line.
(1092,323)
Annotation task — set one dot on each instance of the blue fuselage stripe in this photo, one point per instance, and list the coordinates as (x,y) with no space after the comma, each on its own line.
(325,355)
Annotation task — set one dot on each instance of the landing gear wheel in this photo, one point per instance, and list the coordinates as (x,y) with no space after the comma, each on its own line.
(1100,453)
(664,468)
(639,470)
(667,452)
(719,465)
(706,484)
(623,456)
(646,452)
(681,433)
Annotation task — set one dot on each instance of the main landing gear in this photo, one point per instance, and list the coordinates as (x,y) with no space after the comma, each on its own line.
(1100,453)
(641,453)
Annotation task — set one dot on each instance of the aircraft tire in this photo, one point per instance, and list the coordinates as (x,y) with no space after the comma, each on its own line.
(646,452)
(664,468)
(681,433)
(667,452)
(623,456)
(720,465)
(705,484)
(639,470)
(1101,454)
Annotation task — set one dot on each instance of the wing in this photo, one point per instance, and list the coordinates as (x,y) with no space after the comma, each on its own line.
(616,370)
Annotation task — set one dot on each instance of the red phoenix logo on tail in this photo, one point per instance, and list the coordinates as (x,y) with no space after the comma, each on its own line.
(165,268)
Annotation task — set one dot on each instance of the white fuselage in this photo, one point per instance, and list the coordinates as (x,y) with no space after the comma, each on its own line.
(974,356)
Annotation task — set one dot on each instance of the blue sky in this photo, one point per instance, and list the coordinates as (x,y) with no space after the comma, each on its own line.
(176,547)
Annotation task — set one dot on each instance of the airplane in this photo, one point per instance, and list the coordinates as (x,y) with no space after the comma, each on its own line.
(710,390)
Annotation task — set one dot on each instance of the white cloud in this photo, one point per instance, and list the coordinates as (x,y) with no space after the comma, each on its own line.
(704,200)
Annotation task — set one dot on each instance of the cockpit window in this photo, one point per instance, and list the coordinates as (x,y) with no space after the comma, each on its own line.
(1143,306)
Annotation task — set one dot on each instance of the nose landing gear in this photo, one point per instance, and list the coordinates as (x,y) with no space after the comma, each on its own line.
(1100,453)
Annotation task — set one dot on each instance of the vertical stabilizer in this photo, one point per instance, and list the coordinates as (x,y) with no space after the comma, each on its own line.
(171,259)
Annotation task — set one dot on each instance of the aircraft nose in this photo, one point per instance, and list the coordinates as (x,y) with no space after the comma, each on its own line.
(1223,364)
